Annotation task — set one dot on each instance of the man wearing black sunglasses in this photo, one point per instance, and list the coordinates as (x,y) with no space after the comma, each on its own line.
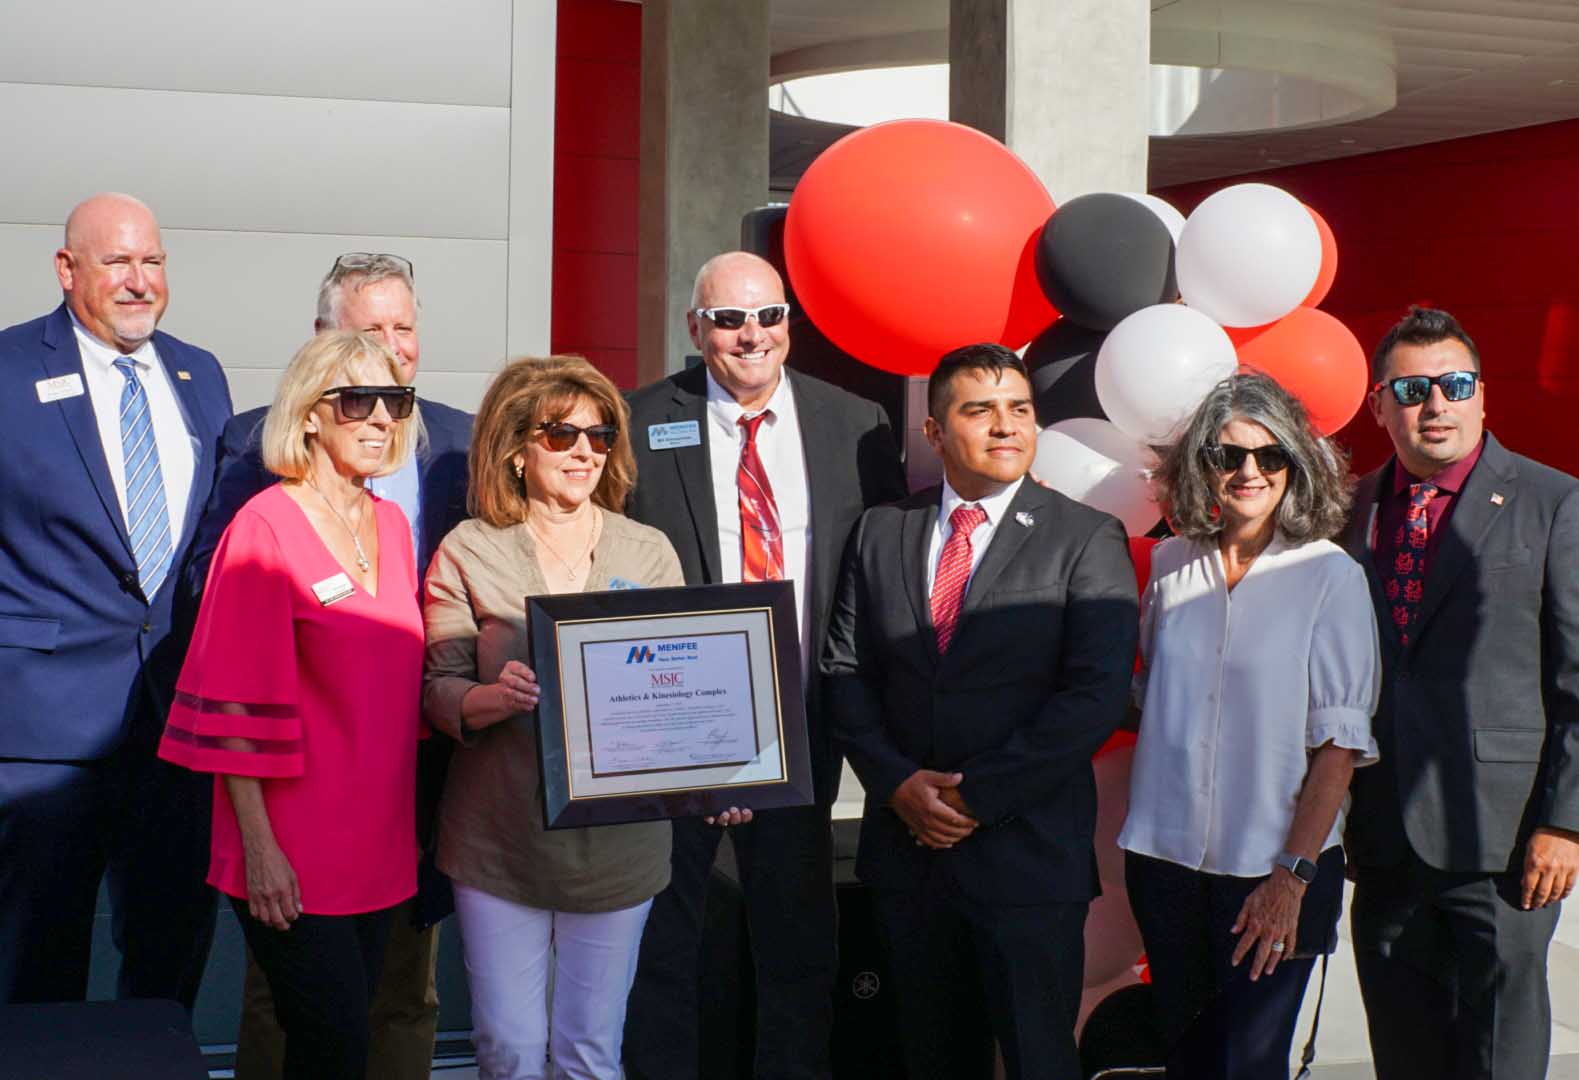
(1465,836)
(754,474)
(374,293)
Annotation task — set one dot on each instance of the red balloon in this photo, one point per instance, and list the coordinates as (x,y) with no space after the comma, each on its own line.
(1317,359)
(1140,554)
(907,239)
(1329,262)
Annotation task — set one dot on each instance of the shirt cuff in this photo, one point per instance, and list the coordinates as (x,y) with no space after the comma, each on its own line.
(1345,726)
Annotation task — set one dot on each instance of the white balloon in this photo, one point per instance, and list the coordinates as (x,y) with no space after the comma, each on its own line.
(1249,254)
(1155,367)
(1164,210)
(1094,462)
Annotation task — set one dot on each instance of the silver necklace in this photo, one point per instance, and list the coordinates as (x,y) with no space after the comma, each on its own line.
(361,556)
(592,538)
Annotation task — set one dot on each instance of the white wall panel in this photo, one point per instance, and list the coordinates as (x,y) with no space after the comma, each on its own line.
(235,161)
(451,52)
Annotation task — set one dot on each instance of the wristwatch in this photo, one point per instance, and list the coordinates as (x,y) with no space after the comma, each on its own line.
(1301,868)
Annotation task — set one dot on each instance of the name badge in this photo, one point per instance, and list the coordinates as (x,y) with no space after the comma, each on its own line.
(332,589)
(674,436)
(55,389)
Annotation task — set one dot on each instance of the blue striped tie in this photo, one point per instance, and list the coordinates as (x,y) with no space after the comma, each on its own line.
(147,518)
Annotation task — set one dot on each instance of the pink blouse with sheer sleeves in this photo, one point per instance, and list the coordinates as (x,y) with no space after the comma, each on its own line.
(319,701)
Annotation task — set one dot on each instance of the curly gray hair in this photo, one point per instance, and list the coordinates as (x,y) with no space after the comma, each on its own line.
(1315,505)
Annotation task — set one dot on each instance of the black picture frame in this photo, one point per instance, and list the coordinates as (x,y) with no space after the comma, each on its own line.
(662,794)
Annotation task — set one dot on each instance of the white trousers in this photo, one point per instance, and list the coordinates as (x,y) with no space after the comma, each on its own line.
(508,949)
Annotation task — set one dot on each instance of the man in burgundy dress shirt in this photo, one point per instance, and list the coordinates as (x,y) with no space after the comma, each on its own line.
(1466,835)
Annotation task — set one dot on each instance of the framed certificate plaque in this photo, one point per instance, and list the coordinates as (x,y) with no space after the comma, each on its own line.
(665,703)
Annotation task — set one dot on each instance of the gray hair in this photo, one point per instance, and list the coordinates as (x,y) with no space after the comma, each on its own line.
(359,270)
(1315,505)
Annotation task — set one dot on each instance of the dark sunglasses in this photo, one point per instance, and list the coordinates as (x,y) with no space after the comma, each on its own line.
(1230,458)
(1413,389)
(358,402)
(733,318)
(560,436)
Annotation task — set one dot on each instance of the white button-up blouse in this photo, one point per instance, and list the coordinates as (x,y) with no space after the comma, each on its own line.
(1237,688)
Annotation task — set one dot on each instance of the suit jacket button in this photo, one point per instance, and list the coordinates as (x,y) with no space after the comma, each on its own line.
(148,627)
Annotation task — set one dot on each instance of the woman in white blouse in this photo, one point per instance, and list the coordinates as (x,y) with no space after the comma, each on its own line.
(1260,676)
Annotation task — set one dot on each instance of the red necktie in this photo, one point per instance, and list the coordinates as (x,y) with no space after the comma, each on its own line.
(1407,584)
(948,586)
(761,540)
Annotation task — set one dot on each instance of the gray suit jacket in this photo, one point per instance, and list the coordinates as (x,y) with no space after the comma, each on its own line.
(1479,717)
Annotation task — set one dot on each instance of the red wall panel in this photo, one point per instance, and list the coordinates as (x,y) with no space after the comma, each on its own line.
(597,131)
(1485,227)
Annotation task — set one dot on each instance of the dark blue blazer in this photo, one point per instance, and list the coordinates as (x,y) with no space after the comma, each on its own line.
(441,475)
(85,659)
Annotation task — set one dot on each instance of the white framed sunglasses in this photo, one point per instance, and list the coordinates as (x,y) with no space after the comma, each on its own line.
(733,318)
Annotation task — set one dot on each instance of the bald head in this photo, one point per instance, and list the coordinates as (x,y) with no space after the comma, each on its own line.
(747,359)
(111,269)
(716,273)
(90,216)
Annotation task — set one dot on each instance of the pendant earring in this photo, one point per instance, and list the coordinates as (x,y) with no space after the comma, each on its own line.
(520,470)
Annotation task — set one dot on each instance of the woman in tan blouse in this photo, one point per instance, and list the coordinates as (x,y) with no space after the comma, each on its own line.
(549,470)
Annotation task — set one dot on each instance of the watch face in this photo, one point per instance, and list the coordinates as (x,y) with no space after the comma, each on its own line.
(1305,870)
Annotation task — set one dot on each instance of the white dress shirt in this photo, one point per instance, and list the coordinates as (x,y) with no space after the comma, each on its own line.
(783,456)
(172,435)
(1237,689)
(403,487)
(995,506)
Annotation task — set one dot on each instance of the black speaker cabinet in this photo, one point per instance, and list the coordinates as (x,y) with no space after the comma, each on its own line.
(865,1021)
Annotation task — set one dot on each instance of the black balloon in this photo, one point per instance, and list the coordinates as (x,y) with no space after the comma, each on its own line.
(1062,362)
(1101,257)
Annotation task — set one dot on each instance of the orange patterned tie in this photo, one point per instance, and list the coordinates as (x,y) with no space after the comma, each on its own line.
(948,587)
(761,540)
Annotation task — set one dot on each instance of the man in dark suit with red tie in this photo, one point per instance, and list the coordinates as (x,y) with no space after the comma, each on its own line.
(1465,835)
(755,473)
(978,654)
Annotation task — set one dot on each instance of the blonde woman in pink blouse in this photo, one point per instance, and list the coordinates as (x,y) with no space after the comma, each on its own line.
(301,694)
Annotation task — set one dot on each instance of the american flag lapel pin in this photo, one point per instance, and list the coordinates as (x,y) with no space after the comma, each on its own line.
(1497,499)
(1024,518)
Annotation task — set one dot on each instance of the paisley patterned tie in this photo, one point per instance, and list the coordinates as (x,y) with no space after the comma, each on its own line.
(1407,584)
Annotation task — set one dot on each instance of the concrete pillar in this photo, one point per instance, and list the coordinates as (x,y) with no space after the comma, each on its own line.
(704,155)
(1064,83)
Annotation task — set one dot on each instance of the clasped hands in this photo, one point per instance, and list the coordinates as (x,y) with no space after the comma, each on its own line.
(930,805)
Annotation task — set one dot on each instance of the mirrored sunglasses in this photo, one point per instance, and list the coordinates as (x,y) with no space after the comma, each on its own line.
(1414,389)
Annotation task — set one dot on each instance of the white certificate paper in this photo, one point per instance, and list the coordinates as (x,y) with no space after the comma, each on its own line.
(669,703)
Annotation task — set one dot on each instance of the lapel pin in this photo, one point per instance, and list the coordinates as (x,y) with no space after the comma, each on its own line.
(184,376)
(1025,518)
(1496,498)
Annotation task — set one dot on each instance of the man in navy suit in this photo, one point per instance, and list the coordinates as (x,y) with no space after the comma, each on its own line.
(108,436)
(374,293)
(978,654)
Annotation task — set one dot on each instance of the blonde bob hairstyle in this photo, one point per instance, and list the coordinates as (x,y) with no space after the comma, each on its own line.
(333,358)
(541,390)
